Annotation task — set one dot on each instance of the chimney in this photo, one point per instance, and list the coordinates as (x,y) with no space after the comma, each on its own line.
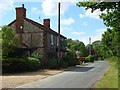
(46,23)
(20,12)
(20,15)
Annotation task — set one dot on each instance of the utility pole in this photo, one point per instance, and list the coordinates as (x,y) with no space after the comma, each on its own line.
(58,33)
(90,45)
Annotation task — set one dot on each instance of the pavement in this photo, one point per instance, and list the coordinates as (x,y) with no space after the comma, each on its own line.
(77,77)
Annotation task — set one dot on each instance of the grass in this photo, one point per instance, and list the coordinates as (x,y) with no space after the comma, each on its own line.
(110,79)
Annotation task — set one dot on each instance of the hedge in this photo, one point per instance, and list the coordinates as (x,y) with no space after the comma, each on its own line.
(20,64)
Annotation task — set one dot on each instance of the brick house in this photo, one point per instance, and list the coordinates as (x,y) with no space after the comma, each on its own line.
(36,37)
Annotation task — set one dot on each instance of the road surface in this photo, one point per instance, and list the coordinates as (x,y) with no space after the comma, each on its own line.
(77,77)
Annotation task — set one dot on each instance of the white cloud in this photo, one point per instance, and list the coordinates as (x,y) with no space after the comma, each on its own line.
(85,38)
(68,21)
(98,34)
(100,31)
(94,15)
(5,5)
(50,7)
(35,10)
(78,33)
(85,23)
(65,29)
(81,15)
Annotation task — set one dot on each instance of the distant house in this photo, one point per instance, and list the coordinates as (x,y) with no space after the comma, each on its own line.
(36,37)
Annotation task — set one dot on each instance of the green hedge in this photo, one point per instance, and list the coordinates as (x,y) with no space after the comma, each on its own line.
(20,64)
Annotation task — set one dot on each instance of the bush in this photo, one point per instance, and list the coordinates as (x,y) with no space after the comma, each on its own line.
(36,55)
(20,64)
(33,63)
(71,58)
(63,63)
(89,58)
(52,63)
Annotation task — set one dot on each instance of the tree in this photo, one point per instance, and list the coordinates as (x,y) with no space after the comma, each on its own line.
(111,18)
(110,39)
(9,40)
(96,46)
(76,45)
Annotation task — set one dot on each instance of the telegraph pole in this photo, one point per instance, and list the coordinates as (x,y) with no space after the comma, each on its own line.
(58,33)
(90,46)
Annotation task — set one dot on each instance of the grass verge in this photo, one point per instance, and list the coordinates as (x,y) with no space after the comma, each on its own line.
(110,79)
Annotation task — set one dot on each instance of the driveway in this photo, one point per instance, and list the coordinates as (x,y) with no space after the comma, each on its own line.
(77,77)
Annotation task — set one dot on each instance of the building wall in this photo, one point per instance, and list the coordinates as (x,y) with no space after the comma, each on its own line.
(32,36)
(53,48)
(13,26)
(50,44)
(28,27)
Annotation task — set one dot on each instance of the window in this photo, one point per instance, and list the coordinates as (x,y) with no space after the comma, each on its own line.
(62,42)
(51,39)
(57,41)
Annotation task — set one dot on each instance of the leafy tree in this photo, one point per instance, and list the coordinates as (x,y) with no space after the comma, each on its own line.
(111,18)
(76,45)
(96,46)
(110,39)
(9,40)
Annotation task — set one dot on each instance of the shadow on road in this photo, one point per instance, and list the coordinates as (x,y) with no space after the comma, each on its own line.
(80,69)
(49,72)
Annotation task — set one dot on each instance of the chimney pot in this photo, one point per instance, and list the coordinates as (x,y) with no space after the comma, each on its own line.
(23,5)
(46,23)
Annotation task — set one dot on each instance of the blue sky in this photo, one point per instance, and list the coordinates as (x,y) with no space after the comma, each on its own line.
(76,23)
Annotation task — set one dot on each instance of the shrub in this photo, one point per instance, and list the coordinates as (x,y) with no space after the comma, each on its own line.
(71,58)
(52,63)
(36,55)
(89,58)
(33,63)
(9,40)
(63,63)
(20,64)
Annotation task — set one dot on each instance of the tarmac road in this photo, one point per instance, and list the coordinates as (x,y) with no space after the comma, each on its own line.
(77,77)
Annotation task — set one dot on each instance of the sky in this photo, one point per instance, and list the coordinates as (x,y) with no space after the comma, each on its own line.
(76,22)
